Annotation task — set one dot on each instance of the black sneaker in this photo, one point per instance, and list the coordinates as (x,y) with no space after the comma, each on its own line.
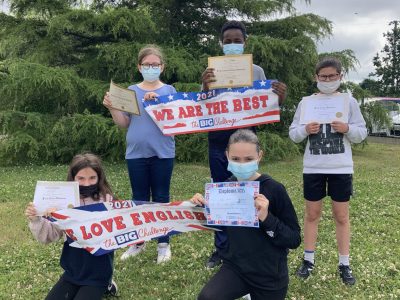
(305,269)
(112,289)
(346,275)
(214,260)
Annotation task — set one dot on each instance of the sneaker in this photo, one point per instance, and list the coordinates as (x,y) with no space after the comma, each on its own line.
(214,260)
(346,275)
(112,289)
(133,251)
(164,252)
(305,269)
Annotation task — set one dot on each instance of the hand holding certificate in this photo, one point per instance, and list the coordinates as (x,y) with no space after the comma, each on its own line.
(232,203)
(232,70)
(325,109)
(56,194)
(123,99)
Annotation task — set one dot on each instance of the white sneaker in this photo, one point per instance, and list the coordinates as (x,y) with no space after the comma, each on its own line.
(164,252)
(133,251)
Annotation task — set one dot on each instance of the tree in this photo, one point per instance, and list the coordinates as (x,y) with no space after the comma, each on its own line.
(57,59)
(387,65)
(372,86)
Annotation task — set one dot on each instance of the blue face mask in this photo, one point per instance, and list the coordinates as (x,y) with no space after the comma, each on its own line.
(243,171)
(151,74)
(230,49)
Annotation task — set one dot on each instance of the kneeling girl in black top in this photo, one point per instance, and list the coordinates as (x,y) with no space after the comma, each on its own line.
(255,261)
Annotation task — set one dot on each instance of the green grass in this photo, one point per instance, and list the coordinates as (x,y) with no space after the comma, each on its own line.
(28,270)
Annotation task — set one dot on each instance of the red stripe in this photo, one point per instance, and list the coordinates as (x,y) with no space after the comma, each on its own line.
(198,227)
(138,242)
(268,113)
(175,203)
(59,216)
(226,128)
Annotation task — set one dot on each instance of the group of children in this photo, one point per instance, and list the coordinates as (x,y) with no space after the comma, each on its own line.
(254,260)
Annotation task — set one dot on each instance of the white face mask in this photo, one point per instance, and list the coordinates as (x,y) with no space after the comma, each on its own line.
(328,87)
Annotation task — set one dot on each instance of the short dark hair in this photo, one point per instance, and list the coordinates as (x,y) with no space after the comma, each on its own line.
(233,25)
(327,62)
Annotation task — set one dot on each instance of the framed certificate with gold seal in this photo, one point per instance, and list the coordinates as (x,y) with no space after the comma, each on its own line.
(123,99)
(232,70)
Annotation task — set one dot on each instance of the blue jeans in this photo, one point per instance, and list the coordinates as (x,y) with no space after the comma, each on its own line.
(219,173)
(151,176)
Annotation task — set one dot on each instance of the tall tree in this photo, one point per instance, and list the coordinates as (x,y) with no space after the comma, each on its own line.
(387,65)
(57,58)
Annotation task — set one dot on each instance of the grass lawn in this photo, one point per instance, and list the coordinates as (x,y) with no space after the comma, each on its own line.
(28,270)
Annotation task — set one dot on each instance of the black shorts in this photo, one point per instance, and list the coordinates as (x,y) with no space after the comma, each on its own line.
(340,186)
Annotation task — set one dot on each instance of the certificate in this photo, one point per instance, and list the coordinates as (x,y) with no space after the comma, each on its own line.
(123,99)
(325,108)
(56,194)
(232,203)
(232,70)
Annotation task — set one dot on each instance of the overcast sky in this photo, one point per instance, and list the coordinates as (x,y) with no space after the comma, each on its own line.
(358,25)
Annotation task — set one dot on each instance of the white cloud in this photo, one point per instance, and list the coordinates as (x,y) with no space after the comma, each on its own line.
(357,25)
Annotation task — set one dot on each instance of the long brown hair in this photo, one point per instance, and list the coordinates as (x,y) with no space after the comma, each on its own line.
(89,160)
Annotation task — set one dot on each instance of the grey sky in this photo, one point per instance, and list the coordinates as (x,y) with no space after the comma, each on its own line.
(358,25)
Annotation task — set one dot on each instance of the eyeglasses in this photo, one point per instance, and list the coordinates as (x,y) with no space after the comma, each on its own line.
(330,77)
(148,66)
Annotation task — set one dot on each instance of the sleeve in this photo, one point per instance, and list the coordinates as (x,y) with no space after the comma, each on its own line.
(258,73)
(297,131)
(173,90)
(282,226)
(357,128)
(44,231)
(262,74)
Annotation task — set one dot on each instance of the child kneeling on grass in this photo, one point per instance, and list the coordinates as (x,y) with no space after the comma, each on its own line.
(85,276)
(255,262)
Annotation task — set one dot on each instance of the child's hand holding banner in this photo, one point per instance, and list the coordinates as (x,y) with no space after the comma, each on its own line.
(104,227)
(220,109)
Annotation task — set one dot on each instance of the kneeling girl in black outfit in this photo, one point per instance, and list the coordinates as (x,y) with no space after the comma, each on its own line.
(255,262)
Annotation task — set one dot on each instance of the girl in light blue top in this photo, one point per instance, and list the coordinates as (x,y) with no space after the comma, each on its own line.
(149,154)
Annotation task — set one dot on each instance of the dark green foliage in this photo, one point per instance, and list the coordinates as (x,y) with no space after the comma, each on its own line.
(276,147)
(372,86)
(85,132)
(188,87)
(33,87)
(34,137)
(387,65)
(57,59)
(192,147)
(22,136)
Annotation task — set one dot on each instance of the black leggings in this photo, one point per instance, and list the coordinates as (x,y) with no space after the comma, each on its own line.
(64,290)
(227,285)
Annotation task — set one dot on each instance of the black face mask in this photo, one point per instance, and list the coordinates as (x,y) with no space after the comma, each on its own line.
(88,191)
